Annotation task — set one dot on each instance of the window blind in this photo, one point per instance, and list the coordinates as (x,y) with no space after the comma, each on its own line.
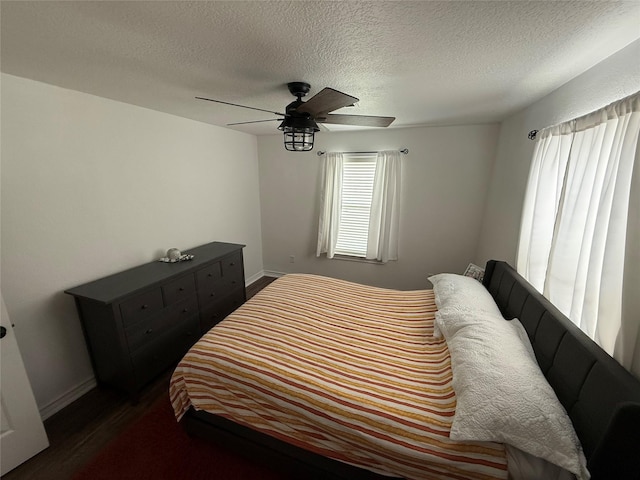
(357,190)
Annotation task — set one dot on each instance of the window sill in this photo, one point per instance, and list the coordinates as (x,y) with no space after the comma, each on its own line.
(351,258)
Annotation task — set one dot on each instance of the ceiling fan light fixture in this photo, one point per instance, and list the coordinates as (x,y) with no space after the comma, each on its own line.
(298,141)
(299,133)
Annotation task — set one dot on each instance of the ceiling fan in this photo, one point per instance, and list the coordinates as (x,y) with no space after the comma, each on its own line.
(300,120)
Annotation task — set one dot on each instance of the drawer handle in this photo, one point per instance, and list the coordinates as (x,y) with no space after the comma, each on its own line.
(232,264)
(149,331)
(213,294)
(185,310)
(210,275)
(233,282)
(181,289)
(144,307)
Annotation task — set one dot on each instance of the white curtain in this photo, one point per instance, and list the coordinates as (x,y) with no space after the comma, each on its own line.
(382,244)
(588,267)
(544,189)
(330,204)
(627,348)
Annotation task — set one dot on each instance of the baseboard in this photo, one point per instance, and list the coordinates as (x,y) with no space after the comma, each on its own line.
(271,273)
(67,398)
(262,273)
(253,278)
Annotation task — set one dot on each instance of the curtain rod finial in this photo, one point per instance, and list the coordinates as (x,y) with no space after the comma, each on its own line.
(532,134)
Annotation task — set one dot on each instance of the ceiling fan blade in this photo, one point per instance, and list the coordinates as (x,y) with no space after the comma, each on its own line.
(359,120)
(325,101)
(257,121)
(238,105)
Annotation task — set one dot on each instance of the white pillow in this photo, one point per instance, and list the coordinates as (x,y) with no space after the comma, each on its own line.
(452,290)
(502,396)
(461,294)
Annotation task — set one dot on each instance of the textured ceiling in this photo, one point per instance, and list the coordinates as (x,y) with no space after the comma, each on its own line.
(426,63)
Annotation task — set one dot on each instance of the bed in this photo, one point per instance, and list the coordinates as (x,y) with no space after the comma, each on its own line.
(602,400)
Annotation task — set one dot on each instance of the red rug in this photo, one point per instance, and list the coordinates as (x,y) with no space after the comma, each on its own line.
(155,447)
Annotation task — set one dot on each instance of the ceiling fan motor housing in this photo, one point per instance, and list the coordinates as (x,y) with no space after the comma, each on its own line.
(298,89)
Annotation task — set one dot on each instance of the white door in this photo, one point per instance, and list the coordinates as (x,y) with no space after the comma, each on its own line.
(22,433)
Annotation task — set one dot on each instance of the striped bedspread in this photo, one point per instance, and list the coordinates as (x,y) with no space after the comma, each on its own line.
(344,370)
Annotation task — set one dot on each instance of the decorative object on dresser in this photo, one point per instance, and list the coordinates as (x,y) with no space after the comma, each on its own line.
(139,322)
(175,255)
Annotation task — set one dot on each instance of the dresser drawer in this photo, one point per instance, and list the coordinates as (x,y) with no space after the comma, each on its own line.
(179,289)
(209,276)
(148,330)
(165,351)
(210,284)
(232,269)
(210,295)
(216,312)
(233,277)
(141,306)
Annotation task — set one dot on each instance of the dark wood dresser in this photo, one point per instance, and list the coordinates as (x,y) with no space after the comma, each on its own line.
(139,322)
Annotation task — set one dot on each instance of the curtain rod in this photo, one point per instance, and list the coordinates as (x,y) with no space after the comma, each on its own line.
(402,150)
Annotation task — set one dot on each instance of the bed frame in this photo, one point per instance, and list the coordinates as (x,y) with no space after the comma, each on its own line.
(601,397)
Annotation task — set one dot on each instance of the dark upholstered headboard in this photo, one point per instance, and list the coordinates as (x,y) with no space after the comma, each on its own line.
(600,396)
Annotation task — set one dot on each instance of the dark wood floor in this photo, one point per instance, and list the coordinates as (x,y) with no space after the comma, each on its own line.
(82,429)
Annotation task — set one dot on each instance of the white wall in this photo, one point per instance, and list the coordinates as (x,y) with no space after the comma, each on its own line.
(445,180)
(90,187)
(616,77)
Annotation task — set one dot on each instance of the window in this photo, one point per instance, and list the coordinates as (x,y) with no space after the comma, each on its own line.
(575,246)
(360,201)
(358,173)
